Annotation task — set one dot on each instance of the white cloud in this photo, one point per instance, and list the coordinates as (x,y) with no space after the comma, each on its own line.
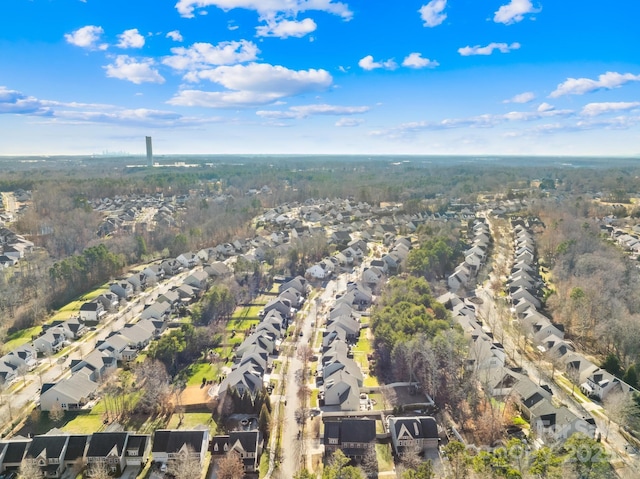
(252,85)
(479,121)
(15,102)
(415,60)
(580,86)
(525,97)
(545,107)
(130,39)
(514,11)
(286,28)
(368,64)
(305,111)
(288,7)
(349,122)
(86,37)
(489,49)
(136,71)
(431,13)
(227,99)
(175,35)
(203,55)
(595,109)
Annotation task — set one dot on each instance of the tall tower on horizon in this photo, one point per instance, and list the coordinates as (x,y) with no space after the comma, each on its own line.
(149,151)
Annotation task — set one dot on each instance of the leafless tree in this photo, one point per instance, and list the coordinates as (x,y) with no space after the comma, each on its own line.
(230,467)
(56,413)
(186,465)
(99,470)
(29,469)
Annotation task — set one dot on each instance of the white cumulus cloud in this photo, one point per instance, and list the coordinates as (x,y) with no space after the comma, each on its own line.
(136,71)
(595,109)
(175,35)
(415,60)
(130,39)
(186,8)
(86,37)
(431,13)
(514,11)
(367,63)
(544,107)
(204,55)
(525,97)
(286,28)
(489,49)
(580,86)
(253,84)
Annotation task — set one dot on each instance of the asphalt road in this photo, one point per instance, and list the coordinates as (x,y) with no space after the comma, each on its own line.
(50,370)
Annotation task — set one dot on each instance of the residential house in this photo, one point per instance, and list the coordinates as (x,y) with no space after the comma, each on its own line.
(298,283)
(138,281)
(12,453)
(110,302)
(170,443)
(188,260)
(122,289)
(198,279)
(99,363)
(50,342)
(76,449)
(245,379)
(137,450)
(247,444)
(139,335)
(413,433)
(48,452)
(158,310)
(172,298)
(71,394)
(342,390)
(108,448)
(354,437)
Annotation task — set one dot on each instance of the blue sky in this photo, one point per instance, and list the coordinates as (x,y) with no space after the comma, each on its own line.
(479,77)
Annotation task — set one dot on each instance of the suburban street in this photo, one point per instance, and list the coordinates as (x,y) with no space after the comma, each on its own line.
(495,313)
(27,389)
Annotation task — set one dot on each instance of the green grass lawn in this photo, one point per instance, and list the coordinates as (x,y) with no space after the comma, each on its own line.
(196,372)
(86,422)
(19,338)
(379,405)
(194,420)
(277,366)
(385,458)
(264,463)
(313,400)
(370,381)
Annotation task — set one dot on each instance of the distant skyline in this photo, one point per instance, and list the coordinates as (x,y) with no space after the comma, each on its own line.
(440,77)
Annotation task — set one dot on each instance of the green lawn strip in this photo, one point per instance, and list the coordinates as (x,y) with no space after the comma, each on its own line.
(264,463)
(277,366)
(313,400)
(193,420)
(385,459)
(569,388)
